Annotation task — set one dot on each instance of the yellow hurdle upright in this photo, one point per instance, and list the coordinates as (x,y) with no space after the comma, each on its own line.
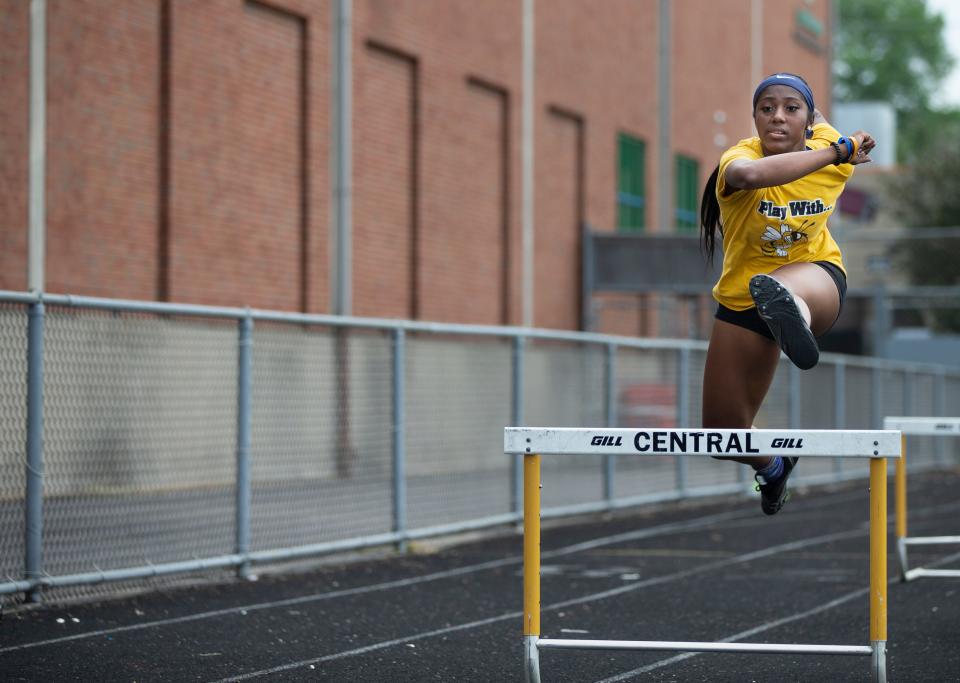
(878,562)
(900,490)
(531,562)
(532,443)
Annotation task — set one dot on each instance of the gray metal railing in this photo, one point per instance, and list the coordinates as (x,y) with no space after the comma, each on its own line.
(160,438)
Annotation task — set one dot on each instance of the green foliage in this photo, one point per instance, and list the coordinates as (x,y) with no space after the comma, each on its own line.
(927,192)
(928,130)
(927,196)
(892,51)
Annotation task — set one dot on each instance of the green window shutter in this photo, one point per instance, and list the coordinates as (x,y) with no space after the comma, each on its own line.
(686,191)
(631,183)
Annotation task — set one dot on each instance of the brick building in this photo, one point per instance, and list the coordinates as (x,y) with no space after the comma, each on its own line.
(189,143)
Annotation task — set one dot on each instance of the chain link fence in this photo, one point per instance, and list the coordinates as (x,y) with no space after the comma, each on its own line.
(13,436)
(142,442)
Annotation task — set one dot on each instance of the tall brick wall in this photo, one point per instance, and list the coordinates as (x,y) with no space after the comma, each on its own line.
(102,148)
(249,154)
(14,132)
(558,296)
(712,68)
(466,208)
(386,183)
(189,144)
(784,48)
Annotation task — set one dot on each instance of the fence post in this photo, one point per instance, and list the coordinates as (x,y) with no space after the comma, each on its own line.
(940,409)
(244,370)
(399,437)
(33,514)
(881,318)
(908,396)
(839,404)
(516,417)
(683,414)
(610,417)
(876,396)
(908,393)
(795,397)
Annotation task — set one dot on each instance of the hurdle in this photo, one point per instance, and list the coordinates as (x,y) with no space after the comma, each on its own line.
(533,442)
(920,426)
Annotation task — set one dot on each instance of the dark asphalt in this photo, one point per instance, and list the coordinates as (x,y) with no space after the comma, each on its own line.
(708,570)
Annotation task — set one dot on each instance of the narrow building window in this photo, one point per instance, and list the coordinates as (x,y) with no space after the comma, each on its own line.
(631,183)
(685,191)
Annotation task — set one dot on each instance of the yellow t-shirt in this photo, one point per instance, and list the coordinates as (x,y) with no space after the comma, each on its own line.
(766,228)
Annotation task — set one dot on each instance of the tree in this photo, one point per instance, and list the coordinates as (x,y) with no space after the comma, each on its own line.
(892,51)
(926,196)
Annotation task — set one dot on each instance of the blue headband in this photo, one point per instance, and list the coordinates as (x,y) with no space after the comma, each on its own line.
(789,80)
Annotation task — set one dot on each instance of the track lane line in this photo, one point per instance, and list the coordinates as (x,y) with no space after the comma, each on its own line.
(740,636)
(659,580)
(593,597)
(660,530)
(685,525)
(765,627)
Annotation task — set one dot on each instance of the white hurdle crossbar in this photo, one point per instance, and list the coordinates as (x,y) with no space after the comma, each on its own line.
(920,426)
(532,443)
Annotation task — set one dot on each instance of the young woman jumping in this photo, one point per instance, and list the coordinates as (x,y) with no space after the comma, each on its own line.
(783,281)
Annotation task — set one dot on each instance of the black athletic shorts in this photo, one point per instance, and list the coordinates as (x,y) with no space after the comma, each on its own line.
(752,321)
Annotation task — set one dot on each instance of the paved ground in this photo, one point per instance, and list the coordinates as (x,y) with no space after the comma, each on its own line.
(709,570)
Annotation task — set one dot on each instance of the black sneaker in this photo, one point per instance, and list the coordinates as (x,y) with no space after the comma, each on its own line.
(778,309)
(774,495)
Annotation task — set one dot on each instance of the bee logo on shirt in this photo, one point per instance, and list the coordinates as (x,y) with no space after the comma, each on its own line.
(774,242)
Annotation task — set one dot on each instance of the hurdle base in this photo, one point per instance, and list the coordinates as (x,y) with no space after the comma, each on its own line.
(686,646)
(902,559)
(531,660)
(920,573)
(930,540)
(907,574)
(878,662)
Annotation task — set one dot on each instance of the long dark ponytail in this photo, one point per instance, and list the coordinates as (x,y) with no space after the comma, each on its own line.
(710,223)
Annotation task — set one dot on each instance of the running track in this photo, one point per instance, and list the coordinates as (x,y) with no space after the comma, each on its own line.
(715,570)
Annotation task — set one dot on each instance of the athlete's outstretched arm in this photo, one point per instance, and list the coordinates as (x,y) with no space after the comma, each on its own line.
(778,169)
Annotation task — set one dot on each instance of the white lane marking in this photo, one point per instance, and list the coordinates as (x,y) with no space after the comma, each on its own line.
(738,516)
(666,578)
(764,627)
(372,648)
(709,566)
(739,636)
(400,583)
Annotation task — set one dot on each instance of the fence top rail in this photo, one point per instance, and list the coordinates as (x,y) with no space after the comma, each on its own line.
(841,443)
(947,426)
(503,332)
(889,364)
(385,324)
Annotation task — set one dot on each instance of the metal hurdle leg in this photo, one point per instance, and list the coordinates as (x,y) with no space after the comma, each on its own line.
(900,496)
(531,567)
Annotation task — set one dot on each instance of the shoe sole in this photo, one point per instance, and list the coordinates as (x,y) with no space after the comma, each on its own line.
(778,309)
